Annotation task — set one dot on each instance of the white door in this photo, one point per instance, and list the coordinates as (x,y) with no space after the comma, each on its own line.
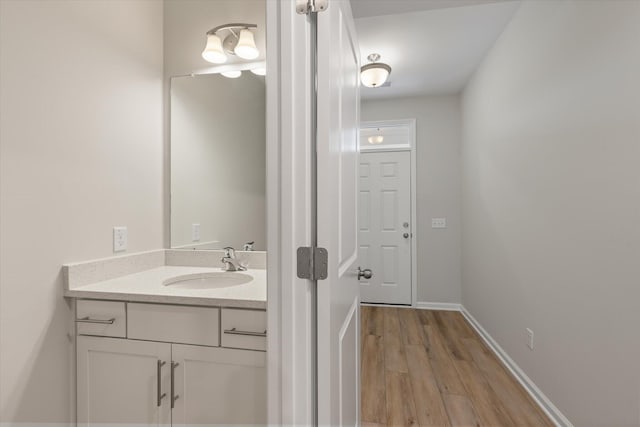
(337,178)
(384,223)
(120,382)
(219,386)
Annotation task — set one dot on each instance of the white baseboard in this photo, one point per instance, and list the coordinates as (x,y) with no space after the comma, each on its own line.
(543,401)
(438,306)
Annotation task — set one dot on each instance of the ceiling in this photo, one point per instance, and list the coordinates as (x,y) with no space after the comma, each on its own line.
(367,8)
(433,48)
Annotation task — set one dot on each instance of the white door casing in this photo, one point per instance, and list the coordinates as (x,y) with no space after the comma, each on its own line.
(338,75)
(385,226)
(290,300)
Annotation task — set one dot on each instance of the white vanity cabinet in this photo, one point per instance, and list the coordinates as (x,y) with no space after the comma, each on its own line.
(151,377)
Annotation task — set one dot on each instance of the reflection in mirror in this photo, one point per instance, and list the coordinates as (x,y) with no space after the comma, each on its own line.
(218,161)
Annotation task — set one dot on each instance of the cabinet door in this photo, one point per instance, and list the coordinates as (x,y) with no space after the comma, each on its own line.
(219,386)
(118,382)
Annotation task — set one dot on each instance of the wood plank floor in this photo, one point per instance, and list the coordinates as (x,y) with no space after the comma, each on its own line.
(430,368)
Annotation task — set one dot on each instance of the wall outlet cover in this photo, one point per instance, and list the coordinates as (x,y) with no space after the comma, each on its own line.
(438,222)
(195,232)
(529,339)
(119,239)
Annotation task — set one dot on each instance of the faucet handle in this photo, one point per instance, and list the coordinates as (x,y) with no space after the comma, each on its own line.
(229,252)
(248,246)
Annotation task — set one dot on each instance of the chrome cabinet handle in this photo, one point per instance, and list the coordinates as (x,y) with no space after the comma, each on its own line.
(233,331)
(161,395)
(174,396)
(87,319)
(405,235)
(366,273)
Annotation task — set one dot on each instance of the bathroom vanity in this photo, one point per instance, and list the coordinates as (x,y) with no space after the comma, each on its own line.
(172,339)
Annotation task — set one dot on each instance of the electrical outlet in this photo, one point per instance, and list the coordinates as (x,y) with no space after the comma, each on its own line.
(438,222)
(529,339)
(119,239)
(195,232)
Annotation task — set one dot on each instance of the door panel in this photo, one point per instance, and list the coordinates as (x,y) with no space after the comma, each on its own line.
(117,382)
(219,386)
(337,215)
(385,196)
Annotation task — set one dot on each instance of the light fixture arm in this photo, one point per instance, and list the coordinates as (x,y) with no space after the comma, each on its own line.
(231,27)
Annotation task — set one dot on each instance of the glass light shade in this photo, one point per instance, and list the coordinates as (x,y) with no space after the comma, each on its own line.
(213,51)
(232,74)
(374,75)
(246,47)
(261,71)
(376,139)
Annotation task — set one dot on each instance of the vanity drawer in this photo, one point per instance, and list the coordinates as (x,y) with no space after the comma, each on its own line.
(244,329)
(102,318)
(173,323)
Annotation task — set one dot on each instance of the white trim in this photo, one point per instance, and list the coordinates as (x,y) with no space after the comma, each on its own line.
(538,396)
(273,190)
(411,123)
(370,304)
(290,343)
(447,306)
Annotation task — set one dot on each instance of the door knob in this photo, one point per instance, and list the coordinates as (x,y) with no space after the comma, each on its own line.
(366,273)
(405,235)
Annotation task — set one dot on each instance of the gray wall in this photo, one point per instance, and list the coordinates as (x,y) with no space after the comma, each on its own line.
(551,203)
(80,152)
(438,187)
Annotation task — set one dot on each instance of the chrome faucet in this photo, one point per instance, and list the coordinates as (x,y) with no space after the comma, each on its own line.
(248,246)
(230,261)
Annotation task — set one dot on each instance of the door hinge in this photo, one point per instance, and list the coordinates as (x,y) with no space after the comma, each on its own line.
(304,7)
(312,263)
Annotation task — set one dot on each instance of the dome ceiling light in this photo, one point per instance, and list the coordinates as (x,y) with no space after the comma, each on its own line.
(239,42)
(376,73)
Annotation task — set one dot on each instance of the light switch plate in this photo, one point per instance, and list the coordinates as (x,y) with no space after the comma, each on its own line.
(195,232)
(438,222)
(119,239)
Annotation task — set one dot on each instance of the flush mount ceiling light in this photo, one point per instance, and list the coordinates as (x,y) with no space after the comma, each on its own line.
(375,73)
(376,139)
(239,42)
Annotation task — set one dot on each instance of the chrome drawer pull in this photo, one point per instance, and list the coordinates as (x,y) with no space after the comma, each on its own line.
(160,395)
(104,322)
(174,396)
(233,331)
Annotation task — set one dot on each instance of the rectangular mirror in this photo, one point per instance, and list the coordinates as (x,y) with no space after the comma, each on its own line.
(218,163)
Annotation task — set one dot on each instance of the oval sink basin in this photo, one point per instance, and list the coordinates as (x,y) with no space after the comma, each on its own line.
(213,280)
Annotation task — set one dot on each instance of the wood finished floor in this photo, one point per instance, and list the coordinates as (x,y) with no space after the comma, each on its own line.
(430,368)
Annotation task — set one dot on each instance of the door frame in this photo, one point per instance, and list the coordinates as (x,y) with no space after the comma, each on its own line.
(291,346)
(411,148)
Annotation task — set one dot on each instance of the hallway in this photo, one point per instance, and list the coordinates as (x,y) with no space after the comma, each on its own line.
(430,368)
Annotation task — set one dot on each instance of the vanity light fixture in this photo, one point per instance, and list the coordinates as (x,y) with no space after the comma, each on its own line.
(260,71)
(376,73)
(232,74)
(239,42)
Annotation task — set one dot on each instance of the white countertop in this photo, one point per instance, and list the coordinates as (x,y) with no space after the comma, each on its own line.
(147,286)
